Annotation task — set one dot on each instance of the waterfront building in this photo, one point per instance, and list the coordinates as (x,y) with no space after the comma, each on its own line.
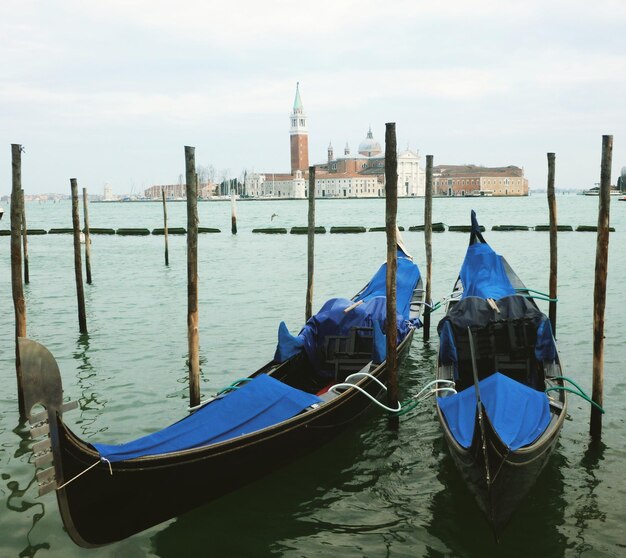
(621,181)
(108,193)
(347,184)
(178,191)
(366,171)
(472,180)
(276,185)
(358,175)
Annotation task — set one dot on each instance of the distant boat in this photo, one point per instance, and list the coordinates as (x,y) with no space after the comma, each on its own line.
(1,212)
(623,198)
(596,192)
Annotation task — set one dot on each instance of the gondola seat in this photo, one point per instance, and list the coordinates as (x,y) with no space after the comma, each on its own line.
(515,341)
(345,354)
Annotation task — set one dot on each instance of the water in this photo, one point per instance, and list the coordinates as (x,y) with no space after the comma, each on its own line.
(371,492)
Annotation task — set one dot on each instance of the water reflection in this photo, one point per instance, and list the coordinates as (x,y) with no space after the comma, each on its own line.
(272,512)
(91,403)
(19,499)
(182,379)
(587,508)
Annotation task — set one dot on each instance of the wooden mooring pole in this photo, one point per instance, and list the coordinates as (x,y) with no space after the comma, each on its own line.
(24,238)
(167,255)
(308,312)
(192,276)
(391,210)
(428,241)
(233,212)
(599,291)
(87,236)
(16,267)
(78,266)
(553,243)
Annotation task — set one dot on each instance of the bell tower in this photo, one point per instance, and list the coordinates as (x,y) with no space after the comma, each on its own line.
(299,136)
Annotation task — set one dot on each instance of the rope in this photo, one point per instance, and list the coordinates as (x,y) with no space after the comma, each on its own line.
(411,403)
(542,296)
(535,297)
(580,391)
(373,399)
(232,387)
(235,385)
(436,305)
(432,383)
(405,406)
(87,469)
(346,384)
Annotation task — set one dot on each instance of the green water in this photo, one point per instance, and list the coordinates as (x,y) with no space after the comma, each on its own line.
(371,492)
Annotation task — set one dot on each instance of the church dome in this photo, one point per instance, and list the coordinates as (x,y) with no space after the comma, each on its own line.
(369,146)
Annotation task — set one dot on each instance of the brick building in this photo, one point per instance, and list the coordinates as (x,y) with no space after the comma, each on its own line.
(472,180)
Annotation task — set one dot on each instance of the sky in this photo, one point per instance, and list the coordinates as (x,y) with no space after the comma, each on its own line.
(110,92)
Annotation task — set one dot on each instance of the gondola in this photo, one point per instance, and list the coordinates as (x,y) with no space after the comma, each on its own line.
(318,383)
(498,348)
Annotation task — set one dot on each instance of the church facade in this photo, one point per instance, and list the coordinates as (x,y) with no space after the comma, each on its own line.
(360,175)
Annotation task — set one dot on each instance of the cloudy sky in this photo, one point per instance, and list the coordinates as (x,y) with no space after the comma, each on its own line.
(111,91)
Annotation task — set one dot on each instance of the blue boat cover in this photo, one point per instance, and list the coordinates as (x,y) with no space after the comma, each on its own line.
(483,275)
(518,413)
(331,320)
(407,276)
(259,403)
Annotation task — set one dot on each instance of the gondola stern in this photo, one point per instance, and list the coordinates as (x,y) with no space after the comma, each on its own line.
(42,386)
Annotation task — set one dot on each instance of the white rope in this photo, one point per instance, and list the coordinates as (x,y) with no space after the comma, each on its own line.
(108,463)
(202,403)
(420,396)
(445,389)
(448,387)
(87,469)
(366,375)
(79,474)
(359,388)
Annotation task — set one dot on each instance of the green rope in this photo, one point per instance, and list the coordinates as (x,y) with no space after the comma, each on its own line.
(533,291)
(407,406)
(575,392)
(435,307)
(580,391)
(568,380)
(542,296)
(235,385)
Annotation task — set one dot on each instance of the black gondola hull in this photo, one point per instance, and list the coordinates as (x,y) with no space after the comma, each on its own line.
(499,485)
(500,478)
(99,507)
